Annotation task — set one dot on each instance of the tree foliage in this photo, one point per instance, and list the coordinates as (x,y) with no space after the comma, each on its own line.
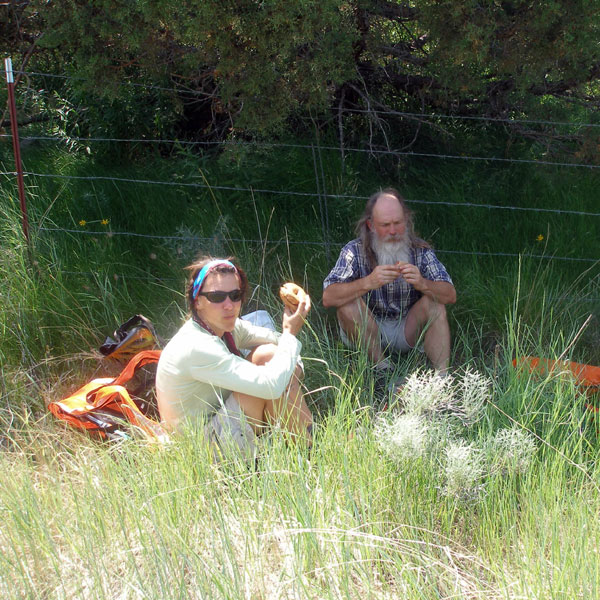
(218,67)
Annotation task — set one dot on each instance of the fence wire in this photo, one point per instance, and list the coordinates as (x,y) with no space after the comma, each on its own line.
(323,244)
(369,111)
(320,193)
(250,190)
(346,149)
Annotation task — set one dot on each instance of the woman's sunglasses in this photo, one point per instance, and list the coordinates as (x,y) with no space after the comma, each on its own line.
(217,297)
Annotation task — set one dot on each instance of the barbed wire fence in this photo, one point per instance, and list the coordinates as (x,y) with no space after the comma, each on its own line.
(322,198)
(320,194)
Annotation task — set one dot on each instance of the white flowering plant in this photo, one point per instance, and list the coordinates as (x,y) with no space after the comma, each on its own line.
(432,417)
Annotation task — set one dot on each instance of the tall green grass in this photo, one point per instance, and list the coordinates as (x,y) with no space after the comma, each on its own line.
(352,519)
(126,521)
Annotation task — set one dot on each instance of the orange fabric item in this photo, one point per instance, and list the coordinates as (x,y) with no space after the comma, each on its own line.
(586,376)
(103,404)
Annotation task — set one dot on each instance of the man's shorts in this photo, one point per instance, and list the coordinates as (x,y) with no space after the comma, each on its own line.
(391,335)
(229,431)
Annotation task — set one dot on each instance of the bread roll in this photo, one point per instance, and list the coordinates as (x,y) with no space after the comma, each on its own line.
(291,294)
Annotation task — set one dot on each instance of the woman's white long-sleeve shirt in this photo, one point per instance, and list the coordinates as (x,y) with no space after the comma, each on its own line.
(196,371)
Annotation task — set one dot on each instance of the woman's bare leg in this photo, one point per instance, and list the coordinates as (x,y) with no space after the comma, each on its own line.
(290,410)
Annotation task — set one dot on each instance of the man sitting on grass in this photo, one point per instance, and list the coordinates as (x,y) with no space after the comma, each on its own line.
(389,288)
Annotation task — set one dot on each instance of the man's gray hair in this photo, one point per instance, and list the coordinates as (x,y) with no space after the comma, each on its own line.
(363,231)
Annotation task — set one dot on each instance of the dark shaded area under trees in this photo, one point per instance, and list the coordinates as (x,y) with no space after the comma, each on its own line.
(248,68)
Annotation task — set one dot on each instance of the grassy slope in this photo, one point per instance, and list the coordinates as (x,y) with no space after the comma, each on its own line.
(83,520)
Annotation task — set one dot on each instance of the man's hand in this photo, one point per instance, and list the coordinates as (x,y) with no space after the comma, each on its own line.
(383,274)
(338,294)
(293,321)
(412,275)
(439,291)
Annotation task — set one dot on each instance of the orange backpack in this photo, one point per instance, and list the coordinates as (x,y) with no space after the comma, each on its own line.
(105,407)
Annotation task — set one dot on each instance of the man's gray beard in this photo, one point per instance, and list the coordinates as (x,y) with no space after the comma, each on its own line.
(389,253)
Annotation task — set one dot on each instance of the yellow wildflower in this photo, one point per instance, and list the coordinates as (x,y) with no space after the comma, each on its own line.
(83,222)
(104,222)
(540,238)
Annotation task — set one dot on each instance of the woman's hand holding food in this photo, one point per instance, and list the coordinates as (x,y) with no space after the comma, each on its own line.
(297,305)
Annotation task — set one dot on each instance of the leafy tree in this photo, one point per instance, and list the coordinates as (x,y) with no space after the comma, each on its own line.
(225,67)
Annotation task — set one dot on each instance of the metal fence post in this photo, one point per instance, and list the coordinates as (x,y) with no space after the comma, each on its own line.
(12,107)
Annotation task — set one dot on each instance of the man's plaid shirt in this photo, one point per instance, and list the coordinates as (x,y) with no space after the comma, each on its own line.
(393,300)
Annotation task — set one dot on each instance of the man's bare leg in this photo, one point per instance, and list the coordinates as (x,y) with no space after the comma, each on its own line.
(361,328)
(430,317)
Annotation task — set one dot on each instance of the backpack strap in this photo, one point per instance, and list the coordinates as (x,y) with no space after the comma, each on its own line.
(141,359)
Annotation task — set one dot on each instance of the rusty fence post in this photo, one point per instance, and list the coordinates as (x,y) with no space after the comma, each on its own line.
(12,107)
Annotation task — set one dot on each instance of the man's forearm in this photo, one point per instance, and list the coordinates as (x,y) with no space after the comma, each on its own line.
(338,294)
(440,291)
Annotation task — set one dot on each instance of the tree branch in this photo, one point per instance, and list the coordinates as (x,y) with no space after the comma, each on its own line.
(393,11)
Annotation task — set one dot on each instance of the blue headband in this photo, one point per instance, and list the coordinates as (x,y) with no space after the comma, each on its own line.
(204,272)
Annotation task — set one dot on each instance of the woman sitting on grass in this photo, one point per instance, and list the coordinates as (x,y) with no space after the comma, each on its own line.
(203,379)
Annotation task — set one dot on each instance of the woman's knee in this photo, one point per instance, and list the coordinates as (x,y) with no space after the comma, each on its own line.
(262,354)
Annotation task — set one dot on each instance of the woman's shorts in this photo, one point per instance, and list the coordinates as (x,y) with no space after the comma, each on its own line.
(229,431)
